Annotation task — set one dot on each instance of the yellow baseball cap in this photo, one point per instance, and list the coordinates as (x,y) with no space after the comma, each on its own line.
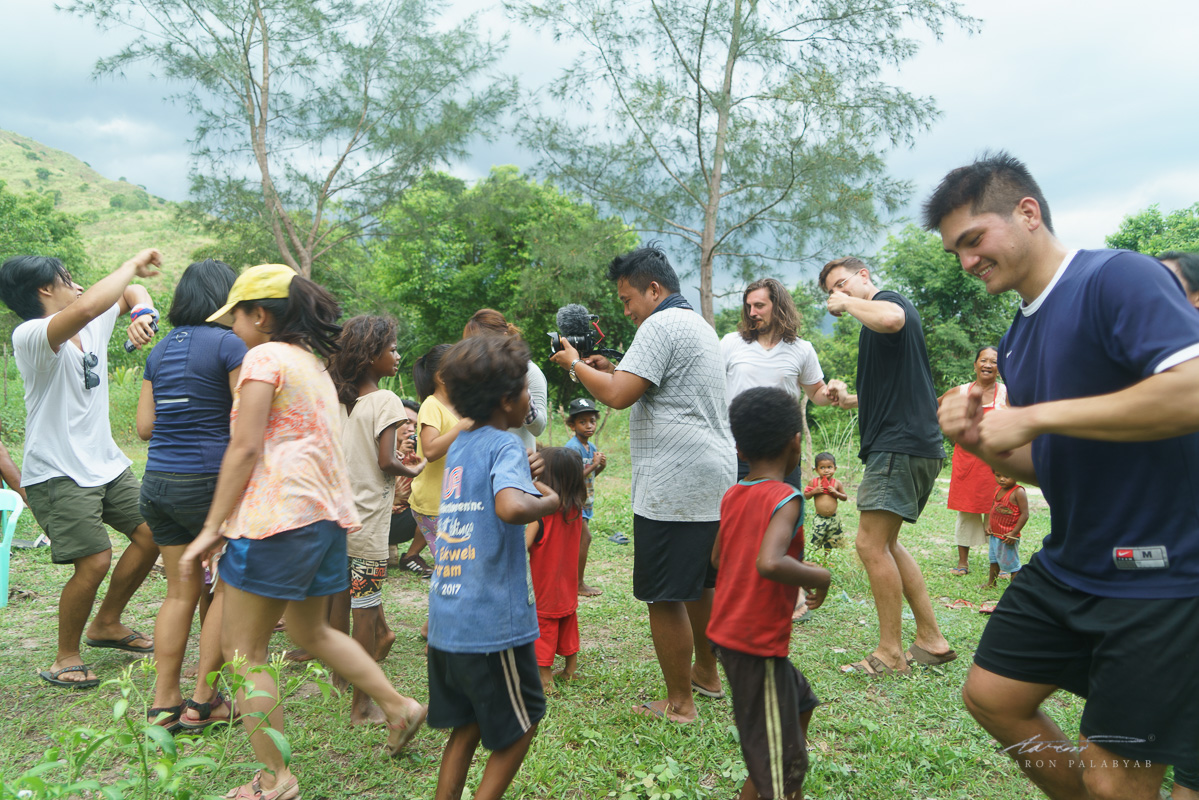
(263,282)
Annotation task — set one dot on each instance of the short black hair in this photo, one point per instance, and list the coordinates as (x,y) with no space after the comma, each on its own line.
(424,371)
(481,371)
(764,419)
(642,266)
(1188,265)
(203,288)
(824,457)
(411,404)
(993,184)
(22,276)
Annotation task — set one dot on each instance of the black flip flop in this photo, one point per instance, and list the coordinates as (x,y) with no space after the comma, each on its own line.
(122,644)
(52,677)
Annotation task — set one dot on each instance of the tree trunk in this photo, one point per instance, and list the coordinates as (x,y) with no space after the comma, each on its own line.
(708,238)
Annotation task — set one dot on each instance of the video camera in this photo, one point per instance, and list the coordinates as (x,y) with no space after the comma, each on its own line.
(576,326)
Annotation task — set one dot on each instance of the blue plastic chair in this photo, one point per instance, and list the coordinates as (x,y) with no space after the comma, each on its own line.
(11,507)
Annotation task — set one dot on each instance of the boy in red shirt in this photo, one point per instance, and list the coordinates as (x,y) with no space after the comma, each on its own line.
(1009,512)
(759,552)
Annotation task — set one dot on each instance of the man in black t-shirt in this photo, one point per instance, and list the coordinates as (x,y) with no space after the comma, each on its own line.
(902,453)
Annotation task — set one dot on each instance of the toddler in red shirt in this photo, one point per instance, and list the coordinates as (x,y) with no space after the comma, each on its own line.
(553,544)
(759,554)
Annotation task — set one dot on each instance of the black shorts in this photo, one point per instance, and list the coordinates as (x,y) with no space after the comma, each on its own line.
(403,527)
(672,561)
(175,505)
(769,695)
(1126,657)
(500,691)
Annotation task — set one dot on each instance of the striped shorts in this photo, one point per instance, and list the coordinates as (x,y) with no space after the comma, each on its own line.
(500,691)
(769,697)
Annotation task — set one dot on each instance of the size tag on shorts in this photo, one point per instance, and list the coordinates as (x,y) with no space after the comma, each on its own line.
(1153,557)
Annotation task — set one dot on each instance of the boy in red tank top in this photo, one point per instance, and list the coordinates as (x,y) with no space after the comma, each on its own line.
(1008,514)
(759,553)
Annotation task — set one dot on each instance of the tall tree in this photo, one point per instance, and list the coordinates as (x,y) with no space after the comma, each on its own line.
(750,130)
(1152,232)
(312,115)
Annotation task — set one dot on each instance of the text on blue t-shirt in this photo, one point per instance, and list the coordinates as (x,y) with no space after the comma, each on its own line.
(481,596)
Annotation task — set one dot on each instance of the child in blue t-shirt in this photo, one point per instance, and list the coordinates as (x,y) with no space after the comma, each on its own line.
(483,676)
(581,418)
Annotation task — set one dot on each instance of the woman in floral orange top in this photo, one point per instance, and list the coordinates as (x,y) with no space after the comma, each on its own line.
(282,508)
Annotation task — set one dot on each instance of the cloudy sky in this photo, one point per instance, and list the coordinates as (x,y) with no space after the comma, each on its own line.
(1098,98)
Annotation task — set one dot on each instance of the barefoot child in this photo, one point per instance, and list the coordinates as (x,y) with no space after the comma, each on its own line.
(581,418)
(369,421)
(824,491)
(553,543)
(483,679)
(1008,514)
(282,508)
(759,552)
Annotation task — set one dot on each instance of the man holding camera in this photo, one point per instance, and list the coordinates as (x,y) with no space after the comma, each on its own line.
(683,462)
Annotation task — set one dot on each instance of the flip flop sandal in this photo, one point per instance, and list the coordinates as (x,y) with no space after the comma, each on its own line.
(618,538)
(715,695)
(960,603)
(873,667)
(204,712)
(919,655)
(988,607)
(407,730)
(253,790)
(50,676)
(166,716)
(959,571)
(122,644)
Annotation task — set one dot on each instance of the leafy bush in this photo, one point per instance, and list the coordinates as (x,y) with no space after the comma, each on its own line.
(43,174)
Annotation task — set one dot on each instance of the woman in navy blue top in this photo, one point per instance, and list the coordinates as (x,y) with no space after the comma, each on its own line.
(187,394)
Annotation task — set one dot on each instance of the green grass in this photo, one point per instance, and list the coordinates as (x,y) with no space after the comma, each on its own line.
(900,738)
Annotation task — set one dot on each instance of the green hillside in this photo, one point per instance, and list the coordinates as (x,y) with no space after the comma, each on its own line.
(116,218)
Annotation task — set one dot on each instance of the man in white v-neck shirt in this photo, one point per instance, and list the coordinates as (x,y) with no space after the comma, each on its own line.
(76,478)
(766,350)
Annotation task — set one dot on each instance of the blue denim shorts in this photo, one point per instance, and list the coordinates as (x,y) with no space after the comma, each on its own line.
(292,565)
(1007,556)
(899,483)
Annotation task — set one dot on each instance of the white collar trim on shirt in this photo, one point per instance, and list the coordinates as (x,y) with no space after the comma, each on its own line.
(1031,308)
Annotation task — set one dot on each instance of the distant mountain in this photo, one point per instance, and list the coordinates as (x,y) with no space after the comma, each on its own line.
(116,218)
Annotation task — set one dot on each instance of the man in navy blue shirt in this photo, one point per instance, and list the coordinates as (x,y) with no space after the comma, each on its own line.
(1102,368)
